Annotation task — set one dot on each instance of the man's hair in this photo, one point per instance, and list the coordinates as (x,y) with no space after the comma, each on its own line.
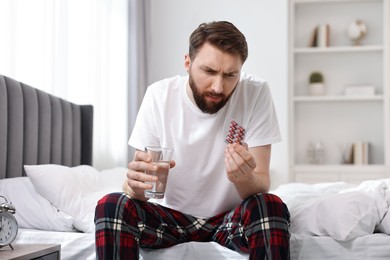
(221,34)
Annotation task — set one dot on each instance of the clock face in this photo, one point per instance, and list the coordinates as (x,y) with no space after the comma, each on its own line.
(8,228)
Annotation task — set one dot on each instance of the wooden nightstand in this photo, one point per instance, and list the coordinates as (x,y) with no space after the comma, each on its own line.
(31,251)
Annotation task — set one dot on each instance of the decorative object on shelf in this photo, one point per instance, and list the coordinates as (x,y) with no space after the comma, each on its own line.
(320,36)
(359,90)
(310,153)
(316,84)
(357,30)
(9,225)
(316,153)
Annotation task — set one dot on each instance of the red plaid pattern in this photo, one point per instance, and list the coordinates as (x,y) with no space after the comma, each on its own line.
(259,226)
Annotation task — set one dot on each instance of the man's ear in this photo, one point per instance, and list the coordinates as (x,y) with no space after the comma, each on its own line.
(187,62)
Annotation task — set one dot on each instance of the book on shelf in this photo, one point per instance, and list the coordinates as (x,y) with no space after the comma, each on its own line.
(360,153)
(320,36)
(313,38)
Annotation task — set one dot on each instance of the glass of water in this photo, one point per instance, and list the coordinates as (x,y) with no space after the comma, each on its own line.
(160,157)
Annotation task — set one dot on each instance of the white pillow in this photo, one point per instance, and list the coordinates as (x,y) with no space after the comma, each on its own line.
(294,194)
(75,190)
(383,190)
(343,216)
(33,210)
(379,191)
(384,226)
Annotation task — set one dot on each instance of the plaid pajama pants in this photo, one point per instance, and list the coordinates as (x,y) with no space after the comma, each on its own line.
(258,226)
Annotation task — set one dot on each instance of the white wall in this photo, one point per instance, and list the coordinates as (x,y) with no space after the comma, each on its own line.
(264,23)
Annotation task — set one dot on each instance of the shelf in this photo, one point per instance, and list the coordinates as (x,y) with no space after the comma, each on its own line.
(352,174)
(338,49)
(336,119)
(337,98)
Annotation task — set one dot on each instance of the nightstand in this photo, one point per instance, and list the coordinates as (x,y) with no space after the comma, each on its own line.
(31,251)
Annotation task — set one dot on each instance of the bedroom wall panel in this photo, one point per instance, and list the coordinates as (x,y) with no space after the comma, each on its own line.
(86,112)
(67,133)
(76,140)
(39,128)
(3,130)
(30,151)
(56,133)
(44,125)
(15,126)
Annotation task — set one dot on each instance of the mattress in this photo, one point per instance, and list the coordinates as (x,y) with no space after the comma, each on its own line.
(74,245)
(375,246)
(77,245)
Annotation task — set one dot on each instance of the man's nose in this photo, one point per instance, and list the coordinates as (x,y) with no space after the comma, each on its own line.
(217,84)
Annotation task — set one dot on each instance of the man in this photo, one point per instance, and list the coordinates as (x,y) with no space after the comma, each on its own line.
(216,191)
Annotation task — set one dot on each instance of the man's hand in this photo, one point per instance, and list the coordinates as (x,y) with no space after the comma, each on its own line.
(239,163)
(248,169)
(136,177)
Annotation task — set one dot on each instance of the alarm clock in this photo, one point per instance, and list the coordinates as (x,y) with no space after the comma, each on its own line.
(8,224)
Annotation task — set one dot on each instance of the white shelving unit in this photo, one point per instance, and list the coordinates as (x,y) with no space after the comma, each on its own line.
(335,119)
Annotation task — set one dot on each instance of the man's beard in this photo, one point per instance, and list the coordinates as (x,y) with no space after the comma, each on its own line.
(201,102)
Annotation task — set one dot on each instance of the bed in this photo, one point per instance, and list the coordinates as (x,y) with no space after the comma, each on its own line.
(46,172)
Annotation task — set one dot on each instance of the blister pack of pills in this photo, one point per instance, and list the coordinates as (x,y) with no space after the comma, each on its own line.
(236,133)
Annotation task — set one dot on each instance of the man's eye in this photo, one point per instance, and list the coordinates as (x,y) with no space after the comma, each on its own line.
(231,75)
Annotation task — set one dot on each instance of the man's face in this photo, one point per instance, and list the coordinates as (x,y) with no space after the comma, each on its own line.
(213,76)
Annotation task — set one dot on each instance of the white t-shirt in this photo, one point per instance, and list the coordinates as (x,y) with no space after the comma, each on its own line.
(198,184)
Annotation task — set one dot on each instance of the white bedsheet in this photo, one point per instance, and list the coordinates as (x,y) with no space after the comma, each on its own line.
(75,246)
(81,246)
(372,247)
(193,251)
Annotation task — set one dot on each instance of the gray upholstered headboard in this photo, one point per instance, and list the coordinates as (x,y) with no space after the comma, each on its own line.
(39,128)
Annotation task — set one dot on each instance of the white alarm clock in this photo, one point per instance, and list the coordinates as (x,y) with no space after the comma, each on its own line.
(8,224)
